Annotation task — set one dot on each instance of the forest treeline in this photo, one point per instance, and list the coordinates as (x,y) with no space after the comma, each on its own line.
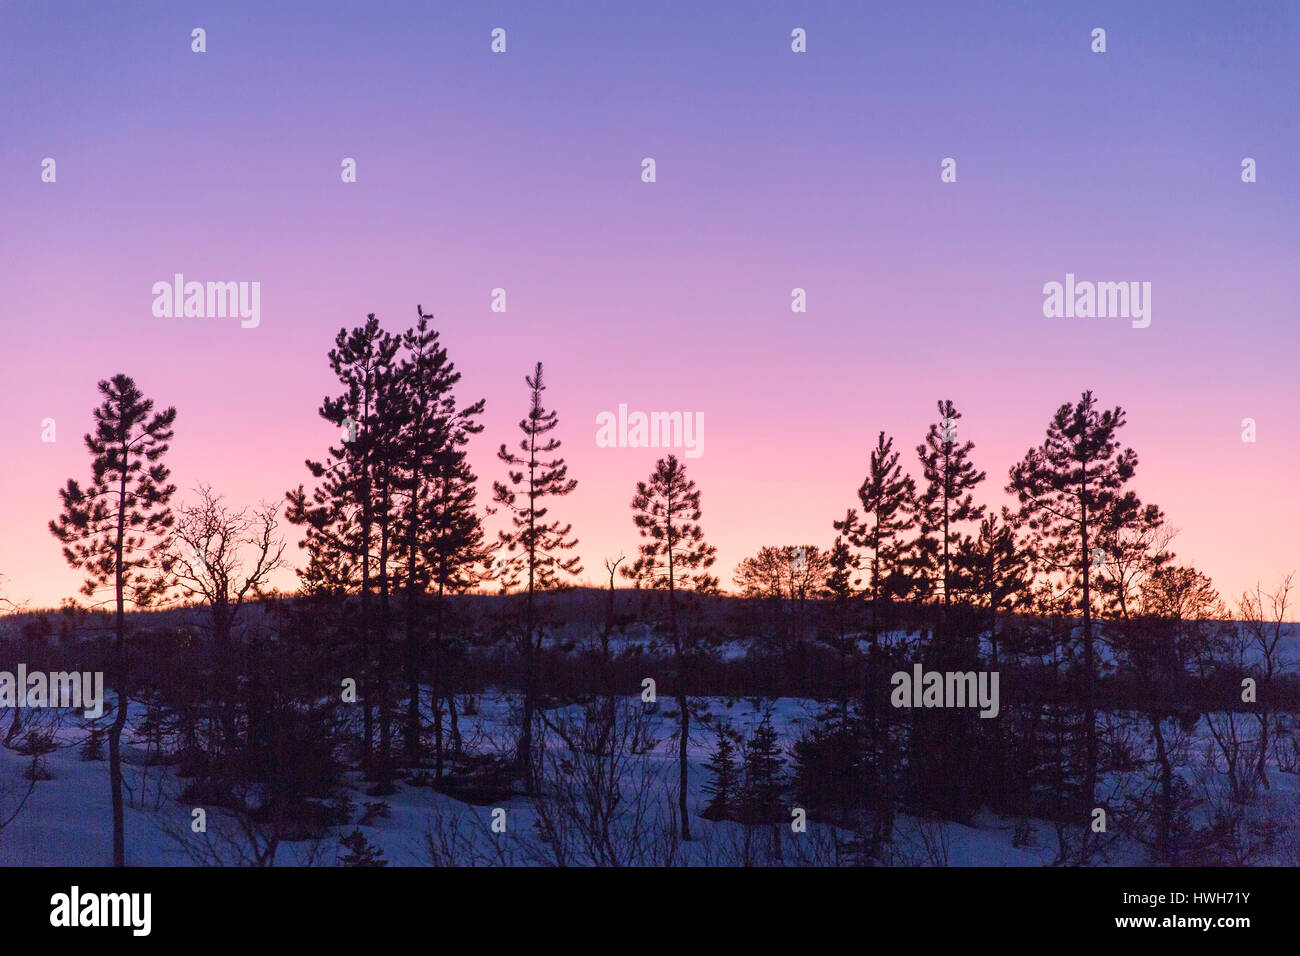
(1128,686)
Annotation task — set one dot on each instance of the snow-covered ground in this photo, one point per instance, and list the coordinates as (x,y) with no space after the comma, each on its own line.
(66,821)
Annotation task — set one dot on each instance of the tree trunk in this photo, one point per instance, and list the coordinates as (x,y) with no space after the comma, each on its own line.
(119,719)
(1263,716)
(1164,815)
(683,702)
(1090,707)
(524,757)
(412,727)
(385,710)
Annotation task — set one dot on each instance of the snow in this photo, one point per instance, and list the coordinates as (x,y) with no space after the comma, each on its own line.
(67,818)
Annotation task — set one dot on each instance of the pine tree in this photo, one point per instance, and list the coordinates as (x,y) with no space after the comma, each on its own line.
(998,576)
(1131,545)
(887,496)
(114,529)
(673,556)
(763,787)
(534,547)
(349,516)
(1069,488)
(840,587)
(829,779)
(888,500)
(386,455)
(997,571)
(440,529)
(361,852)
(724,788)
(764,784)
(92,748)
(946,503)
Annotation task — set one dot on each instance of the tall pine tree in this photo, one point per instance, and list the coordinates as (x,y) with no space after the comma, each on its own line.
(1069,488)
(439,527)
(887,496)
(888,499)
(349,516)
(113,530)
(534,547)
(947,502)
(673,556)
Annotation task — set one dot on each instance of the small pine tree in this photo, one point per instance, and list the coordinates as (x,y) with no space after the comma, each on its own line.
(724,788)
(764,786)
(361,852)
(841,585)
(92,748)
(342,810)
(829,777)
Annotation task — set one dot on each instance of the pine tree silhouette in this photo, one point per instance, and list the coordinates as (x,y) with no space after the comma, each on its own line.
(1068,488)
(947,502)
(673,556)
(724,788)
(534,547)
(113,531)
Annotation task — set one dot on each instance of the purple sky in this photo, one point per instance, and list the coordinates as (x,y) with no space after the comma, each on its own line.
(775,170)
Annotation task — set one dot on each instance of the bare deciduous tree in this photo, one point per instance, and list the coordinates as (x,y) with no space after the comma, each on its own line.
(1263,618)
(223,556)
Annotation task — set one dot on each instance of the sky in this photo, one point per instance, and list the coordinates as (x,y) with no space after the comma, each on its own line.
(775,170)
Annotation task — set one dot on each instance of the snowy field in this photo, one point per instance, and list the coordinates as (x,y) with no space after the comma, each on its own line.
(66,821)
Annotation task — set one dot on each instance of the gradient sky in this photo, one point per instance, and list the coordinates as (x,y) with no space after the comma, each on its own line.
(775,170)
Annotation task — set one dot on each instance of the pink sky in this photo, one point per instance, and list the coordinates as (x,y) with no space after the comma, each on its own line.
(775,170)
